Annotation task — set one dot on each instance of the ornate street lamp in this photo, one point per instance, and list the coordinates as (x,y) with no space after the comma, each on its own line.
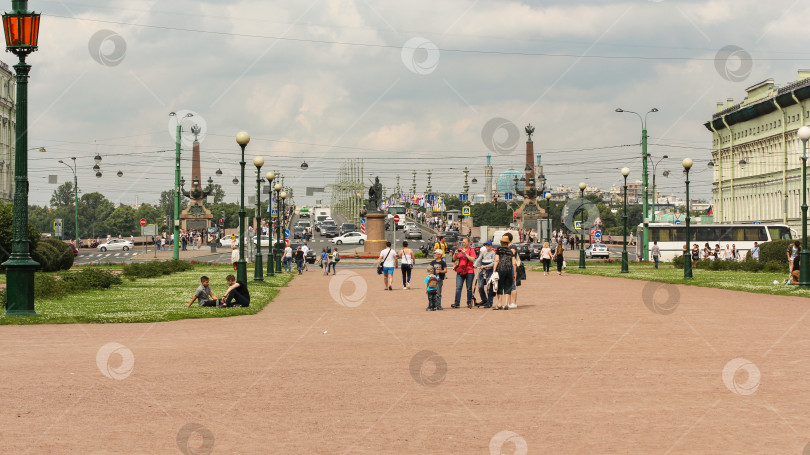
(548,217)
(279,217)
(625,173)
(258,266)
(804,255)
(282,216)
(304,165)
(98,175)
(242,138)
(120,174)
(644,156)
(271,261)
(582,187)
(21,29)
(687,257)
(96,167)
(235,180)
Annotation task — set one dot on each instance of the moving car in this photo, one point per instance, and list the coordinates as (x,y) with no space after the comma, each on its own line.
(298,232)
(330,222)
(330,230)
(116,244)
(413,232)
(350,238)
(597,250)
(303,212)
(345,228)
(226,241)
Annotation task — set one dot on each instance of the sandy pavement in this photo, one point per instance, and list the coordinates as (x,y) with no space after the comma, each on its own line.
(337,365)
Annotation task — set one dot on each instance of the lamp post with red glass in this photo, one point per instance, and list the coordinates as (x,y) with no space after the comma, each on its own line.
(21,28)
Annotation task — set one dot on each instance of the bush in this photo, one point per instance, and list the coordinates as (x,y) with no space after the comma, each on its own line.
(90,278)
(64,261)
(47,255)
(6,232)
(3,298)
(48,287)
(775,251)
(748,265)
(155,268)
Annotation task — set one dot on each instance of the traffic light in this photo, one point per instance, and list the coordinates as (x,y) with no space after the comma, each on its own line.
(221,222)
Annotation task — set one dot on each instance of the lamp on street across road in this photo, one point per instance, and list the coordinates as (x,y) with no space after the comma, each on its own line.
(582,186)
(625,266)
(804,256)
(176,238)
(687,256)
(242,138)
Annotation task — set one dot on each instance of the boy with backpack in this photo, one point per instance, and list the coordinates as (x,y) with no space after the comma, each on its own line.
(432,282)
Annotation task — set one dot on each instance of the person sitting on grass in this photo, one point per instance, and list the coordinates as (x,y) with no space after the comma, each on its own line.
(237,294)
(203,294)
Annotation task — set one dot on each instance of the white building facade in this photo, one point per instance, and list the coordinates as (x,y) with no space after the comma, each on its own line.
(756,155)
(7,133)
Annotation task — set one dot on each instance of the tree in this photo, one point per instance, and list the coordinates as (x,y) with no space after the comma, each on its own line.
(94,209)
(166,205)
(63,195)
(216,191)
(150,213)
(122,221)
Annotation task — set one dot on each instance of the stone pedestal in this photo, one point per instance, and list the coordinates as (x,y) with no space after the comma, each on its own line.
(375,233)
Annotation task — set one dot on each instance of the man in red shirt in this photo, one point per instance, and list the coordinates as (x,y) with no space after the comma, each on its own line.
(463,261)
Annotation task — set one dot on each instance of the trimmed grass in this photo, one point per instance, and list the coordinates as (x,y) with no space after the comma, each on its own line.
(151,300)
(761,283)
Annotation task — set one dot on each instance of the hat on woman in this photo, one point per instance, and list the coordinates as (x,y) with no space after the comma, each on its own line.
(505,240)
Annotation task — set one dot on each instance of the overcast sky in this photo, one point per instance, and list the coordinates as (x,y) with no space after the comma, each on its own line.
(404,85)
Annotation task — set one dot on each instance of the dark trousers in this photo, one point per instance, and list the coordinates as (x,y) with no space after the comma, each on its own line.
(331,267)
(300,265)
(235,298)
(546,265)
(439,294)
(406,274)
(655,258)
(433,300)
(462,280)
(559,266)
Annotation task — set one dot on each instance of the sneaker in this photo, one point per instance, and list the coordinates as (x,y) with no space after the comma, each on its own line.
(513,305)
(439,308)
(428,309)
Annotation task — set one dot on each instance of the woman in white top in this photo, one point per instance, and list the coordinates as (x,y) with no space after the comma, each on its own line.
(287,260)
(728,255)
(545,257)
(407,257)
(388,260)
(333,263)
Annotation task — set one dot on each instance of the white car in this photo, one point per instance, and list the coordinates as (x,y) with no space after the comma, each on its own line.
(350,238)
(597,250)
(116,244)
(226,241)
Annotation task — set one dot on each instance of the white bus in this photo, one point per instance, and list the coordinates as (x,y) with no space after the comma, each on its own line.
(397,210)
(671,238)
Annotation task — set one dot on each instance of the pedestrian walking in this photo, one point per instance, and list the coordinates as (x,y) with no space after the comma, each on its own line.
(300,260)
(388,261)
(656,252)
(408,259)
(559,259)
(333,262)
(286,260)
(440,267)
(545,258)
(505,267)
(432,285)
(485,265)
(234,255)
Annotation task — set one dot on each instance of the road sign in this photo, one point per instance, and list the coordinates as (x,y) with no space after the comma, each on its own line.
(286,233)
(57,227)
(757,222)
(597,220)
(465,211)
(577,225)
(597,235)
(149,229)
(462,197)
(274,213)
(507,196)
(396,218)
(143,221)
(677,222)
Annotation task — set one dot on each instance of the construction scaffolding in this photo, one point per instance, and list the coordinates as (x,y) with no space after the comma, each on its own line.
(349,191)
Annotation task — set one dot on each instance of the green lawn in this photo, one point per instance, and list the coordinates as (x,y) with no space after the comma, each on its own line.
(151,300)
(739,281)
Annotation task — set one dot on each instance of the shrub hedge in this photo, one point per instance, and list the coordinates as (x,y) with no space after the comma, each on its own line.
(90,278)
(47,255)
(64,261)
(775,251)
(748,265)
(155,268)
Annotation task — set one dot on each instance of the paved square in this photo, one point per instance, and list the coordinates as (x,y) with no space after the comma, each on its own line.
(582,366)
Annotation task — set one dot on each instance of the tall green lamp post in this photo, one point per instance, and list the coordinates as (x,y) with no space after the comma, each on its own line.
(271,260)
(687,257)
(804,255)
(242,138)
(654,198)
(282,215)
(75,196)
(176,240)
(258,267)
(279,216)
(625,266)
(548,217)
(21,29)
(582,187)
(644,178)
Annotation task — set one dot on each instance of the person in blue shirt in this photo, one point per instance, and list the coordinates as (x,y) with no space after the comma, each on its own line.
(325,261)
(432,282)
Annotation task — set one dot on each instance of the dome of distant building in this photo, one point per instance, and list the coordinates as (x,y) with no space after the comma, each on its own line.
(506,182)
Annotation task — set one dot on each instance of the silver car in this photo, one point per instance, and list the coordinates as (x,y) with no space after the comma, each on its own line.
(116,244)
(413,232)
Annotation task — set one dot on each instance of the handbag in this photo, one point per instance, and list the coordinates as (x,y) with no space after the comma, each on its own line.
(380,267)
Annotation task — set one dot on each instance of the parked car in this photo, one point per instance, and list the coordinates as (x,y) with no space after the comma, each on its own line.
(330,230)
(345,228)
(225,241)
(597,250)
(534,249)
(350,238)
(116,244)
(523,251)
(413,232)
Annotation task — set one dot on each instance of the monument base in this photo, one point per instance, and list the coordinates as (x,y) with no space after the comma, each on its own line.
(375,233)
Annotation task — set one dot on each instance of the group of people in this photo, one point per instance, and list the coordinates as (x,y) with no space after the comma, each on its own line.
(730,253)
(190,239)
(494,273)
(236,296)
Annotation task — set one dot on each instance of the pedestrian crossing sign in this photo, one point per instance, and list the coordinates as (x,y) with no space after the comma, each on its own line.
(274,213)
(577,225)
(465,211)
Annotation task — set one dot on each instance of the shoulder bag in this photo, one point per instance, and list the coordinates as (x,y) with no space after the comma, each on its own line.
(380,267)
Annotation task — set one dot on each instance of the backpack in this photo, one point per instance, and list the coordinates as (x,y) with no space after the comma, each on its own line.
(433,282)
